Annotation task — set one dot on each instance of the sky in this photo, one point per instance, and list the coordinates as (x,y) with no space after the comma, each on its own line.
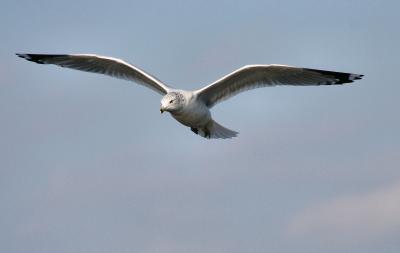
(88,164)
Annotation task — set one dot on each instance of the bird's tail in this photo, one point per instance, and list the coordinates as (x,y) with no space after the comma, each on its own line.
(213,130)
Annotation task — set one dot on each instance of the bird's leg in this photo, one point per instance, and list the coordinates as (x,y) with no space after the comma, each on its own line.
(194,130)
(207,133)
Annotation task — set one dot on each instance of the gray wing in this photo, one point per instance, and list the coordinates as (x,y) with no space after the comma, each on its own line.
(255,76)
(102,65)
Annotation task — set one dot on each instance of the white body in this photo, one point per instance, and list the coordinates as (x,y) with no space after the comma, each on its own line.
(194,114)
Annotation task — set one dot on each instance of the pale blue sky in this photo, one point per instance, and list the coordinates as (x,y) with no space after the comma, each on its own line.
(88,164)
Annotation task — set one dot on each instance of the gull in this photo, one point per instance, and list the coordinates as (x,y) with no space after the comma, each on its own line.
(192,108)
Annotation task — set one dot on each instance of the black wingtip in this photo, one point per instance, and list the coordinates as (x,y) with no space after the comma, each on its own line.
(341,78)
(32,57)
(22,55)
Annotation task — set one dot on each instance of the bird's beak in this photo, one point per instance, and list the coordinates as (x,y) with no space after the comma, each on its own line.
(161,110)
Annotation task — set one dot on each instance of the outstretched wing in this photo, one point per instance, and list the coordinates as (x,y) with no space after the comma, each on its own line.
(102,65)
(255,76)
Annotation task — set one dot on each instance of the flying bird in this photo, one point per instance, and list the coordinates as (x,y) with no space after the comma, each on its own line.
(192,108)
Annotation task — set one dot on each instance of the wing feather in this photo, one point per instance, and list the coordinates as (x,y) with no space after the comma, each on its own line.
(255,76)
(102,65)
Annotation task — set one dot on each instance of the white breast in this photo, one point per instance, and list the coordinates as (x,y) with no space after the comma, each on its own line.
(195,114)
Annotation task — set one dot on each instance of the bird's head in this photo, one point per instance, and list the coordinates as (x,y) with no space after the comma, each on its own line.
(172,102)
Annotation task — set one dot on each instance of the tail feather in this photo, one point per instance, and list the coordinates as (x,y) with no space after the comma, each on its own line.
(219,132)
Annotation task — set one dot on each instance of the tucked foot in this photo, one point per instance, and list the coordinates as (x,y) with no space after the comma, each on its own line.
(207,133)
(194,130)
(204,132)
(213,130)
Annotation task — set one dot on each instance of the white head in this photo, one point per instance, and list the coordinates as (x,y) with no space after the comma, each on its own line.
(172,102)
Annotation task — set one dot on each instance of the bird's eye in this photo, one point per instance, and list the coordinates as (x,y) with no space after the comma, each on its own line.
(171,101)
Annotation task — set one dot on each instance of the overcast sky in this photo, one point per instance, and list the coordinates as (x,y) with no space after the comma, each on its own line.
(88,164)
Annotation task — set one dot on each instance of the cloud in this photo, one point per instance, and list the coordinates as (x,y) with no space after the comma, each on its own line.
(357,218)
